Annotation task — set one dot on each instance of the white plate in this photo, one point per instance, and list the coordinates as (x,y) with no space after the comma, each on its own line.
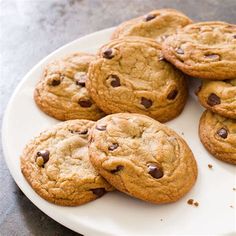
(116,213)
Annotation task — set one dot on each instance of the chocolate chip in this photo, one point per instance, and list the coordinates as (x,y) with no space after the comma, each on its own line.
(179,51)
(146,102)
(115,81)
(234,36)
(55,82)
(85,131)
(85,103)
(172,95)
(108,53)
(150,17)
(113,146)
(80,78)
(98,191)
(42,157)
(101,127)
(213,56)
(223,133)
(118,168)
(155,171)
(213,100)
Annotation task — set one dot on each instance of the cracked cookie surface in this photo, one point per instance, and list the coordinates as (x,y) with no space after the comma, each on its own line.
(57,166)
(130,75)
(157,24)
(218,135)
(206,50)
(61,92)
(142,157)
(219,97)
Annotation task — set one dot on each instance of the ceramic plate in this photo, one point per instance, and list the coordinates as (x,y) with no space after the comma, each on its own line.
(116,213)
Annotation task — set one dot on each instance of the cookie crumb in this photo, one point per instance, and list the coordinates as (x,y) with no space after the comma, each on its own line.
(231,206)
(210,166)
(234,189)
(190,201)
(182,133)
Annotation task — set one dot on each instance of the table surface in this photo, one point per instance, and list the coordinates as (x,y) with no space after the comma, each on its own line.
(29,31)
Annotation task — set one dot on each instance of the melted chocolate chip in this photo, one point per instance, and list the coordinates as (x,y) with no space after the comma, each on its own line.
(108,53)
(98,191)
(150,17)
(146,102)
(115,81)
(42,157)
(80,78)
(85,103)
(179,51)
(85,131)
(81,82)
(113,146)
(118,168)
(213,100)
(223,133)
(213,56)
(155,171)
(55,82)
(172,95)
(101,127)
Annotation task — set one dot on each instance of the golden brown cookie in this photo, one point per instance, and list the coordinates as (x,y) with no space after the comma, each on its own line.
(142,157)
(206,50)
(130,75)
(218,135)
(219,97)
(157,24)
(56,165)
(61,92)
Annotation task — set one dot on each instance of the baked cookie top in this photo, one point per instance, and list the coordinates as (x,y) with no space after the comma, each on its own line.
(157,24)
(61,92)
(206,50)
(142,157)
(219,97)
(56,165)
(130,75)
(218,135)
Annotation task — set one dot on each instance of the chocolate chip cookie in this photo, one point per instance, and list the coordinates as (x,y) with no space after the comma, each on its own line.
(157,24)
(218,135)
(206,50)
(56,165)
(219,97)
(130,75)
(61,92)
(142,157)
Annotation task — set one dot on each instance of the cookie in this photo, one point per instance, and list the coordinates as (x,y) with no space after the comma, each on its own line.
(206,50)
(157,24)
(61,92)
(219,97)
(218,135)
(142,157)
(130,75)
(56,165)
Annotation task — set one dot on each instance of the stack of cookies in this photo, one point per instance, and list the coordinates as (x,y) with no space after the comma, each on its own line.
(207,51)
(112,104)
